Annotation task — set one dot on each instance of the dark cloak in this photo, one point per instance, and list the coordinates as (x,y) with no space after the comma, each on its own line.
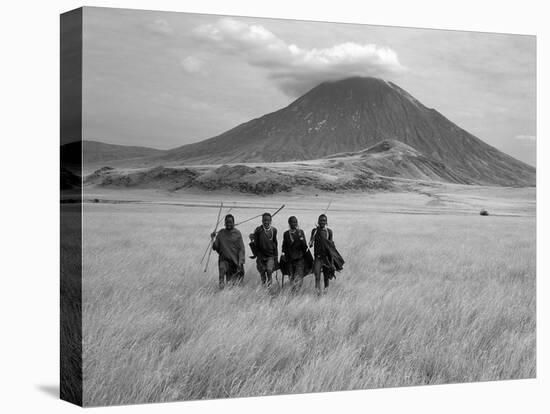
(284,264)
(332,260)
(229,244)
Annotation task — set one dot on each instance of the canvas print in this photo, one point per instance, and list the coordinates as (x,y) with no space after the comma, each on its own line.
(256,206)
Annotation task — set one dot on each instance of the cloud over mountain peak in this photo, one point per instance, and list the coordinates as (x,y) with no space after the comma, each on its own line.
(295,69)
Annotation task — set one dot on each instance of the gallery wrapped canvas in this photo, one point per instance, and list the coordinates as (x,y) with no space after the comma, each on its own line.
(259,206)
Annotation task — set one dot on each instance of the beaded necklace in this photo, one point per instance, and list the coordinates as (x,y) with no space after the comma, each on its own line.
(268,232)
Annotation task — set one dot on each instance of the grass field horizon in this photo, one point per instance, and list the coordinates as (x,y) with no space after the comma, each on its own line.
(431,293)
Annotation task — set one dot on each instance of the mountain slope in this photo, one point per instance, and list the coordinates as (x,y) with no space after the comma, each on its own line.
(391,158)
(350,115)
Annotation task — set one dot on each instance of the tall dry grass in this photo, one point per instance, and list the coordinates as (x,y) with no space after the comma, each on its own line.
(422,300)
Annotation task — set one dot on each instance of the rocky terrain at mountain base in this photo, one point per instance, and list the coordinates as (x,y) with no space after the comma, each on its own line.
(374,168)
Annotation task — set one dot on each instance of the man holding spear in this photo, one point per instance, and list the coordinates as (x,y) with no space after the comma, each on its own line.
(228,243)
(263,243)
(295,254)
(327,259)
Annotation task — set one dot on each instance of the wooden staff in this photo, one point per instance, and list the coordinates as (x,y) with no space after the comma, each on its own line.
(215,229)
(211,241)
(280,208)
(328,206)
(258,216)
(317,224)
(247,220)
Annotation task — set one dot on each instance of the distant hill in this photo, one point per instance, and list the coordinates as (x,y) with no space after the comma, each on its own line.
(350,115)
(98,152)
(375,168)
(392,158)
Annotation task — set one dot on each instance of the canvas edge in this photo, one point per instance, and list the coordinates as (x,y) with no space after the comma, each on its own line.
(71,389)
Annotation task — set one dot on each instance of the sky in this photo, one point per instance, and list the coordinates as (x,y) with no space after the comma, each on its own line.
(165,79)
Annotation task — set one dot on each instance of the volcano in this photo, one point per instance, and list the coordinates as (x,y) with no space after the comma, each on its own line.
(348,116)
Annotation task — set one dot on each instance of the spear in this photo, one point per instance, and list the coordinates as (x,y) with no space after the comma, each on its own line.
(317,225)
(247,220)
(259,215)
(215,229)
(210,241)
(280,208)
(328,206)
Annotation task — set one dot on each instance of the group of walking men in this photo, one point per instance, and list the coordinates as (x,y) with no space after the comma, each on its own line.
(296,260)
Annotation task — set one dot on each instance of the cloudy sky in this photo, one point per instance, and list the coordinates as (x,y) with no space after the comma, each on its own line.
(164,79)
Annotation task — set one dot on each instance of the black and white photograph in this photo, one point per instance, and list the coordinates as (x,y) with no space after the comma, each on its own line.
(260,206)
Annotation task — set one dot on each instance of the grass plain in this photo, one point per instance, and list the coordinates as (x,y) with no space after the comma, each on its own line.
(431,293)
